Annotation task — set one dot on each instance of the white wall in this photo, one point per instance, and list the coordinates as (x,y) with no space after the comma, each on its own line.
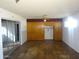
(71,36)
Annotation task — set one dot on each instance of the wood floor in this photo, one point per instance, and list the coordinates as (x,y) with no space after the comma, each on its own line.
(44,50)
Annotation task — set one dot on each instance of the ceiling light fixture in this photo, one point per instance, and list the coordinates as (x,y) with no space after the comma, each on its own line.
(45,18)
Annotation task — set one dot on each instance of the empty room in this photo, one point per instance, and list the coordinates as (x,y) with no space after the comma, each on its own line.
(39,29)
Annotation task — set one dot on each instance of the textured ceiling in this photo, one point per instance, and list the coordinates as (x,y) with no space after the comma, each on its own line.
(38,8)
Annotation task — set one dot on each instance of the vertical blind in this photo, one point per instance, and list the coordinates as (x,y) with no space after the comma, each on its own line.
(10,36)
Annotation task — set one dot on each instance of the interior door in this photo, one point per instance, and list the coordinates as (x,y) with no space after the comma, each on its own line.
(48,32)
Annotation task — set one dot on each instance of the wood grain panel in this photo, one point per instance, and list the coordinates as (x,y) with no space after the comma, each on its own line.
(35,31)
(58,31)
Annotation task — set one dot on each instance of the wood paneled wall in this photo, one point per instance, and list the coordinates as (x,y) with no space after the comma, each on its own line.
(35,28)
(35,31)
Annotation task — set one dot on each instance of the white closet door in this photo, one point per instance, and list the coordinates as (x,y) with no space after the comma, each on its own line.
(48,32)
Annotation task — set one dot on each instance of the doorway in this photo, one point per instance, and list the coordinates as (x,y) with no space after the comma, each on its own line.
(48,32)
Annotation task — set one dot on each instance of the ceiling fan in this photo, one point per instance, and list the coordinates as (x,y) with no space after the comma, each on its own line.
(17,1)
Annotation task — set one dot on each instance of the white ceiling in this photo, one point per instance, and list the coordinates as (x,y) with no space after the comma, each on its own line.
(38,8)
